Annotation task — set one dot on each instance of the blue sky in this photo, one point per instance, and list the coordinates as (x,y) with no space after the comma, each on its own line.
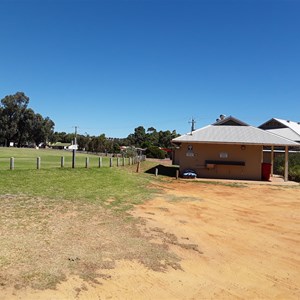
(110,66)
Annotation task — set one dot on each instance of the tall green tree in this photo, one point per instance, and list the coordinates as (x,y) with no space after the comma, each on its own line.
(12,115)
(20,124)
(41,129)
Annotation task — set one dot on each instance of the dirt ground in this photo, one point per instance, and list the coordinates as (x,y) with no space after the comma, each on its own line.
(232,242)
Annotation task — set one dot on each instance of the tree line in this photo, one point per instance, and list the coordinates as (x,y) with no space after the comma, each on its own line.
(21,126)
(151,140)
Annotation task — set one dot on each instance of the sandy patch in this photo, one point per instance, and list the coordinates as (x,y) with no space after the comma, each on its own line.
(233,242)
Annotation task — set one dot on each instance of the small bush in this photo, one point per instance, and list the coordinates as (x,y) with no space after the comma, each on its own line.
(155,152)
(294,166)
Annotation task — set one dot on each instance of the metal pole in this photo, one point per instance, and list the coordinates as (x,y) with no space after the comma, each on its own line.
(73,158)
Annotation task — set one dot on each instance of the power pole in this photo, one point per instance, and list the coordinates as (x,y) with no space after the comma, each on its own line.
(75,140)
(193,122)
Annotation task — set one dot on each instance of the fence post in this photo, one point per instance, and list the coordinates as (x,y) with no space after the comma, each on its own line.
(62,161)
(12,163)
(111,162)
(138,167)
(156,171)
(118,161)
(123,161)
(38,163)
(87,162)
(100,162)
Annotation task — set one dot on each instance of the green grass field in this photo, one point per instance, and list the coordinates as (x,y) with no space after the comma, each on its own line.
(118,188)
(26,158)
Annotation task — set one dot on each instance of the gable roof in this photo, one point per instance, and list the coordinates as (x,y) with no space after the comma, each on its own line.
(284,128)
(230,121)
(233,134)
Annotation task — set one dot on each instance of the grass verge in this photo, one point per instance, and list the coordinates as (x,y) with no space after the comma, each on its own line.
(60,222)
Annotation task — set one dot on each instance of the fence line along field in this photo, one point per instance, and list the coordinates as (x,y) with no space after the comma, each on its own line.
(26,158)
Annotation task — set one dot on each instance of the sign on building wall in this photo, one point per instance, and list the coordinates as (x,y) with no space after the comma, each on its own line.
(190,151)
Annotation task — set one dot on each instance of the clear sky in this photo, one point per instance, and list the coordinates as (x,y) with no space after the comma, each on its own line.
(110,66)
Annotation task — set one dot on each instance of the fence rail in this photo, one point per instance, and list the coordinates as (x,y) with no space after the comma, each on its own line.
(13,163)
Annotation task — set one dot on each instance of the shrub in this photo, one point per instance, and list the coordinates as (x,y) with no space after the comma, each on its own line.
(155,152)
(294,166)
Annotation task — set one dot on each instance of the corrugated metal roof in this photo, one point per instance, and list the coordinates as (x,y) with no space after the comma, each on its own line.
(234,135)
(284,128)
(290,124)
(229,120)
(286,132)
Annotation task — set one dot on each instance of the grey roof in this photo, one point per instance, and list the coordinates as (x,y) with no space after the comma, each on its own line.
(285,132)
(230,121)
(291,130)
(293,125)
(234,135)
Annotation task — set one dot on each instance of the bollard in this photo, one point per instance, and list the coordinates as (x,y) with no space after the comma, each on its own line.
(156,171)
(100,162)
(62,161)
(111,162)
(87,162)
(12,163)
(123,161)
(38,163)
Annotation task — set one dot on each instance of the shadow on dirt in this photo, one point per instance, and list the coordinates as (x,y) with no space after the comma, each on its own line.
(164,170)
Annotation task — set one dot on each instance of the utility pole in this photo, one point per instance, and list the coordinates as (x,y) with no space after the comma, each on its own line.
(193,122)
(75,140)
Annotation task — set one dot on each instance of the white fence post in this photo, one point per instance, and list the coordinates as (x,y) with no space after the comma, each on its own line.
(38,163)
(12,163)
